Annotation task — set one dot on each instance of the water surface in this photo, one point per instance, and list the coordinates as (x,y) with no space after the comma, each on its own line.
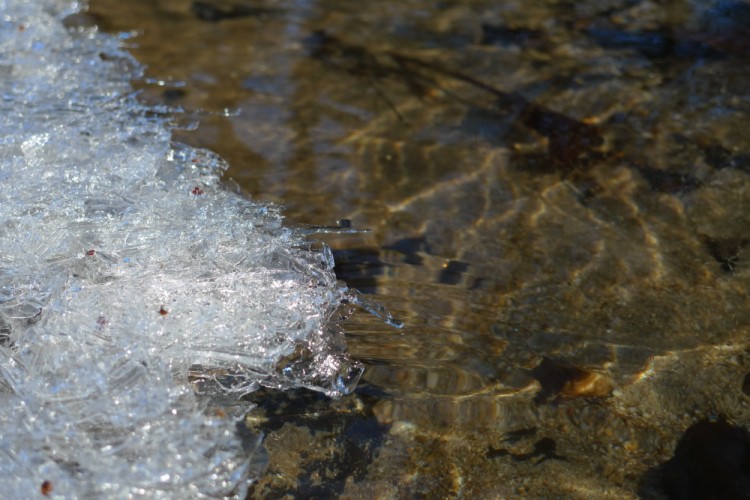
(558,195)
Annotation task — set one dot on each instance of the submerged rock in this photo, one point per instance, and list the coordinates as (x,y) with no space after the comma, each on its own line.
(712,460)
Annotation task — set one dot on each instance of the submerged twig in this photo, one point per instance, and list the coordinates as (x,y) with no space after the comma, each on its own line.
(567,137)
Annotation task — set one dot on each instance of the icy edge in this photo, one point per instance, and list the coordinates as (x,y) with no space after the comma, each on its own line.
(129,276)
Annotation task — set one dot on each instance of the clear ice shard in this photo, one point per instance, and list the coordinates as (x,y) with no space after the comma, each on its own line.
(129,278)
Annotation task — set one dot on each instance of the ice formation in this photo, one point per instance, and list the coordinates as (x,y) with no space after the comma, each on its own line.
(129,277)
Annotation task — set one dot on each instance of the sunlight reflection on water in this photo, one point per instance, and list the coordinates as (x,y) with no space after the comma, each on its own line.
(565,244)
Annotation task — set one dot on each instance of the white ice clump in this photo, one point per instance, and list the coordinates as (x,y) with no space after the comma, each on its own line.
(129,277)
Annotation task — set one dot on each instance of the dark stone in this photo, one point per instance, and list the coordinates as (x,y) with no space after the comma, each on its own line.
(83,20)
(725,251)
(452,272)
(712,461)
(173,94)
(555,377)
(746,385)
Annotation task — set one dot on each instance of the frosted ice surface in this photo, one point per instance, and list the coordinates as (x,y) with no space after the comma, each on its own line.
(130,278)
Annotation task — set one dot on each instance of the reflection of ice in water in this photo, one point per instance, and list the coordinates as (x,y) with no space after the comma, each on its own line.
(127,270)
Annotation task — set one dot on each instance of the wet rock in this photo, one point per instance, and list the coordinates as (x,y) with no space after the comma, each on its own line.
(712,460)
(559,379)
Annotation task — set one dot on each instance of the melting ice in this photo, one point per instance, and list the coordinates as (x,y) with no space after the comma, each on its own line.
(128,277)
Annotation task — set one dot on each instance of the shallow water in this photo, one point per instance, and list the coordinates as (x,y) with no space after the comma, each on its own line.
(558,201)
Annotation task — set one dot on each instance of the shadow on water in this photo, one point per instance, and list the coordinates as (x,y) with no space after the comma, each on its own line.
(558,195)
